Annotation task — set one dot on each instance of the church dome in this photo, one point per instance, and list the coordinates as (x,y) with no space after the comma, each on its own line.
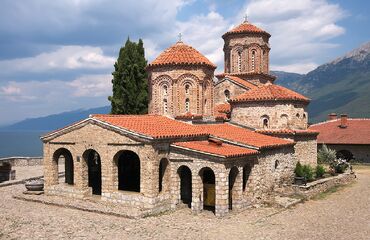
(181,54)
(246,27)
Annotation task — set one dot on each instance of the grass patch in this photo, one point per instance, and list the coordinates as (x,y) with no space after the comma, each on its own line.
(330,191)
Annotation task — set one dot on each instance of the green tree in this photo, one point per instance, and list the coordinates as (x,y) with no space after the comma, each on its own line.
(130,85)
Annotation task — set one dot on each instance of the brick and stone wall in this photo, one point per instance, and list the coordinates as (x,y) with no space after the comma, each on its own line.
(238,50)
(22,161)
(280,115)
(361,153)
(168,86)
(219,91)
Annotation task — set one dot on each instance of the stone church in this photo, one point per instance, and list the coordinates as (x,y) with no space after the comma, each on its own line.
(217,143)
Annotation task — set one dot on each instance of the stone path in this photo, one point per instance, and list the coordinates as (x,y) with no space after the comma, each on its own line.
(341,215)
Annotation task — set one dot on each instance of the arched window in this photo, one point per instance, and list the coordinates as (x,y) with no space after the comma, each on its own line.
(187,88)
(187,105)
(265,121)
(253,60)
(165,106)
(304,115)
(239,61)
(297,115)
(227,95)
(165,90)
(205,105)
(277,164)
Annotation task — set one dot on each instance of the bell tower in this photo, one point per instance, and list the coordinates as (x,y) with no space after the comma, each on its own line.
(246,53)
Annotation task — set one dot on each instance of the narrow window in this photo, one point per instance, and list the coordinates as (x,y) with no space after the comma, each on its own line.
(165,106)
(265,123)
(239,61)
(227,95)
(165,90)
(253,60)
(187,105)
(297,115)
(187,87)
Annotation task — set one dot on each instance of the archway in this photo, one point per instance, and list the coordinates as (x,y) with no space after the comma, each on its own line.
(162,173)
(185,185)
(232,191)
(345,154)
(209,188)
(128,163)
(93,161)
(68,164)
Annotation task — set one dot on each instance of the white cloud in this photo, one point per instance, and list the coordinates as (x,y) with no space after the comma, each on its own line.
(91,86)
(295,68)
(300,29)
(65,57)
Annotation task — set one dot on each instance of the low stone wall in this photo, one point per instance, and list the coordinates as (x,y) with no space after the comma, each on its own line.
(313,188)
(23,161)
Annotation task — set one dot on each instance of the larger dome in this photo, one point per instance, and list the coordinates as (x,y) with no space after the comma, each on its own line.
(181,54)
(246,27)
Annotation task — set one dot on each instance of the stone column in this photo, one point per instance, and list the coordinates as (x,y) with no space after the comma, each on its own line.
(50,167)
(237,191)
(222,193)
(197,193)
(174,186)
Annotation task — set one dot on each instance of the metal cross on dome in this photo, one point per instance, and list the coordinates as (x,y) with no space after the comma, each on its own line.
(180,37)
(246,17)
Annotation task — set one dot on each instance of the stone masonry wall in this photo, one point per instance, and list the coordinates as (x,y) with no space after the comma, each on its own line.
(107,143)
(279,115)
(175,78)
(360,153)
(219,91)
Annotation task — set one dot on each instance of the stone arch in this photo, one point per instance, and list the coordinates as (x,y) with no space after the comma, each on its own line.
(68,164)
(284,120)
(227,95)
(233,174)
(191,81)
(345,154)
(265,121)
(185,176)
(93,162)
(157,88)
(209,188)
(163,183)
(128,165)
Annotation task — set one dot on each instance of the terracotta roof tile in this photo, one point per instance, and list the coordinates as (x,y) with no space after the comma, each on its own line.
(181,54)
(223,108)
(238,81)
(224,150)
(356,132)
(246,27)
(243,136)
(154,126)
(287,131)
(271,92)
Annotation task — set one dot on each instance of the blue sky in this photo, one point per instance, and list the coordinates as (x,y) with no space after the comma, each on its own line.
(58,55)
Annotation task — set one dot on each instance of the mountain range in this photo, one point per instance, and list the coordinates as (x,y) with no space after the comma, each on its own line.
(340,86)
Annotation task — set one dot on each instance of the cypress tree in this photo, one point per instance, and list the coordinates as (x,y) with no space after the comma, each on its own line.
(130,86)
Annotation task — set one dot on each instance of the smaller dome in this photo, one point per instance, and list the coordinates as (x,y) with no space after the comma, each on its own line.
(246,27)
(181,54)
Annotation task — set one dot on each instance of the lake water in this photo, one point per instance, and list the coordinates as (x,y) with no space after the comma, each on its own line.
(21,143)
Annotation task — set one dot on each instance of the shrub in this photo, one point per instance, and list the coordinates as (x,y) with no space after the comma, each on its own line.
(308,172)
(326,155)
(320,171)
(298,170)
(341,166)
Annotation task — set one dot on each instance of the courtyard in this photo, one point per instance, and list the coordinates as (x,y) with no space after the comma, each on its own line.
(343,214)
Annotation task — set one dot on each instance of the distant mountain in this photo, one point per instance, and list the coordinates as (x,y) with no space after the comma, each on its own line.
(340,86)
(55,121)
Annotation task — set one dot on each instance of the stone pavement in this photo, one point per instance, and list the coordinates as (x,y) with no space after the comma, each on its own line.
(341,215)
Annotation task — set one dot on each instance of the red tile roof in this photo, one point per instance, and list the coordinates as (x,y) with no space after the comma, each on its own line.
(223,108)
(270,92)
(235,134)
(181,54)
(154,126)
(246,27)
(224,150)
(287,132)
(239,81)
(356,132)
